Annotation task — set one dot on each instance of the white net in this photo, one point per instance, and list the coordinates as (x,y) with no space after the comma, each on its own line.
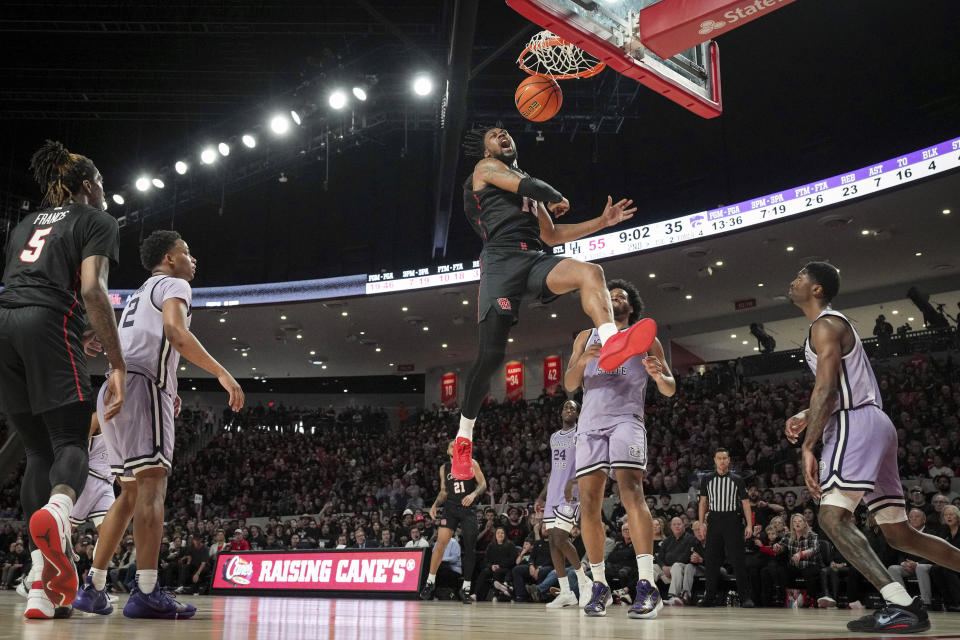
(547,54)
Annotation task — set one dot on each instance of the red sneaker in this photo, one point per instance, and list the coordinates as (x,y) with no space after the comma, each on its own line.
(626,344)
(462,466)
(50,531)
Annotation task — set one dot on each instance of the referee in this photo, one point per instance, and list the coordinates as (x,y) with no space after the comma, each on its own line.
(723,493)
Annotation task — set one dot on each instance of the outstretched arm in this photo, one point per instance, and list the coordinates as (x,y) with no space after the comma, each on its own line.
(554,234)
(181,339)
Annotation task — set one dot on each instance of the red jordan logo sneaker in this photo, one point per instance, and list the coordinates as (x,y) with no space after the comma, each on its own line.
(462,466)
(633,342)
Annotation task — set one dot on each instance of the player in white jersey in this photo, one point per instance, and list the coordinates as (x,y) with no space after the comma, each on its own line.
(859,454)
(561,509)
(611,435)
(154,332)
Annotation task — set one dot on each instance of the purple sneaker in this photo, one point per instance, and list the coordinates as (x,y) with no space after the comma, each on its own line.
(89,600)
(599,599)
(648,601)
(157,604)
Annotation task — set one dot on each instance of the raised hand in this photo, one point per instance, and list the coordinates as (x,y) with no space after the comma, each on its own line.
(617,213)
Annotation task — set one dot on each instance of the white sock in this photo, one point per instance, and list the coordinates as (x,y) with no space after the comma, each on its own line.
(99,578)
(645,567)
(466,586)
(36,566)
(466,428)
(605,331)
(147,580)
(564,584)
(894,593)
(62,502)
(599,572)
(432,578)
(581,574)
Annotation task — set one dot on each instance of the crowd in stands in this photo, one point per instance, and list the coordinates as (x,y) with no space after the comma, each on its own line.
(366,482)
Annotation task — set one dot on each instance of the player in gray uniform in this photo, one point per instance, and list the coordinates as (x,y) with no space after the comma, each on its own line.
(561,507)
(154,332)
(859,454)
(97,496)
(611,436)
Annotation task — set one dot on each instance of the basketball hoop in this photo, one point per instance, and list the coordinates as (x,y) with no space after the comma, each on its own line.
(551,56)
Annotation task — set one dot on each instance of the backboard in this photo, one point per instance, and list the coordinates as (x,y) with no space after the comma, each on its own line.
(610,32)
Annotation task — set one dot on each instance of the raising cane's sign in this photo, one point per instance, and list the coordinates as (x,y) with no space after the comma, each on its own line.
(375,570)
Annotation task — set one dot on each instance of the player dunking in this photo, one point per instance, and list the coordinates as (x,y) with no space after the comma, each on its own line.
(560,514)
(58,260)
(511,211)
(859,459)
(154,332)
(611,435)
(456,497)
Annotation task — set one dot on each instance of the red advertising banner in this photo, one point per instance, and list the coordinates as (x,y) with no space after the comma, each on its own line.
(375,570)
(448,390)
(514,374)
(552,366)
(671,26)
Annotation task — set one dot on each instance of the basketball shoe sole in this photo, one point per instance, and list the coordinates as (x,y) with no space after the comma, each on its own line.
(624,345)
(51,533)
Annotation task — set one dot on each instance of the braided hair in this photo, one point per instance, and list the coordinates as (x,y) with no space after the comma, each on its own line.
(633,298)
(474,141)
(60,173)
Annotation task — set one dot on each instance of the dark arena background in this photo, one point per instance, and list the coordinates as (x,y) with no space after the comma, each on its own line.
(310,154)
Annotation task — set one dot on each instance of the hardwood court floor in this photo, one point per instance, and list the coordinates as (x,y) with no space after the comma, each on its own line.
(249,618)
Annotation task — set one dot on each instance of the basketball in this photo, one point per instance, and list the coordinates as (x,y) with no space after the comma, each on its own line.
(538,98)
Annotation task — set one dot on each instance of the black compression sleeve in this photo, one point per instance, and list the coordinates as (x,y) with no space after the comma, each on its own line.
(538,190)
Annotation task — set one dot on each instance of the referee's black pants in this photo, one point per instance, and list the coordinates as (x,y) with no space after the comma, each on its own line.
(725,536)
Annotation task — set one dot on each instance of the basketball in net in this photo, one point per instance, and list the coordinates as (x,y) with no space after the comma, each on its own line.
(538,98)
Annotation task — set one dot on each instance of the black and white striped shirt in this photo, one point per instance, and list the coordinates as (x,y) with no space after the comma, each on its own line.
(724,493)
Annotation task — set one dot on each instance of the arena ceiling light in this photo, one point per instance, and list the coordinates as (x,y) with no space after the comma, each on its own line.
(338,99)
(422,84)
(142,183)
(224,149)
(295,117)
(249,141)
(359,93)
(208,155)
(180,167)
(280,124)
(118,198)
(158,183)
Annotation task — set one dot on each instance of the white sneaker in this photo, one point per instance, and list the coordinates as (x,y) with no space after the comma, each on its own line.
(502,588)
(111,598)
(39,606)
(586,588)
(563,600)
(826,602)
(856,605)
(23,587)
(674,601)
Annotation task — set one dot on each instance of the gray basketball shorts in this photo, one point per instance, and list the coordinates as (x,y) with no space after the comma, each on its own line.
(860,454)
(619,446)
(141,435)
(94,501)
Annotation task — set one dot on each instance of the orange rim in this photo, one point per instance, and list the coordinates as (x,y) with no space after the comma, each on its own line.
(557,42)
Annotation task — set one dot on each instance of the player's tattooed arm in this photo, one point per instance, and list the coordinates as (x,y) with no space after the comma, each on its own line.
(491,171)
(581,356)
(827,339)
(94,271)
(481,480)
